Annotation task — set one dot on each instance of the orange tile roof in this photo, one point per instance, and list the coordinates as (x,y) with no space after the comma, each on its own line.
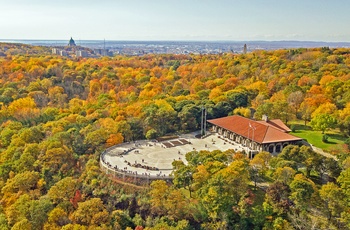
(261,132)
(278,124)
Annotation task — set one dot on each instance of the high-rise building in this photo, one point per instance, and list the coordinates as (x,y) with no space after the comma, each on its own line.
(56,51)
(245,48)
(102,52)
(63,53)
(81,53)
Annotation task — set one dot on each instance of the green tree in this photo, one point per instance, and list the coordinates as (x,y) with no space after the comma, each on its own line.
(281,110)
(285,174)
(264,109)
(259,165)
(160,116)
(124,128)
(224,189)
(189,117)
(312,160)
(90,213)
(281,224)
(302,191)
(57,159)
(159,192)
(183,175)
(23,224)
(96,138)
(38,211)
(237,99)
(74,227)
(176,205)
(344,181)
(57,218)
(151,134)
(63,190)
(333,198)
(3,222)
(22,182)
(323,122)
(293,153)
(12,127)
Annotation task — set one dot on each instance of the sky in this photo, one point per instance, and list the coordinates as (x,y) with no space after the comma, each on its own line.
(199,20)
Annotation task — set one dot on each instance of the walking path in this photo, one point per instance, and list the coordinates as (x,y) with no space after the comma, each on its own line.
(323,153)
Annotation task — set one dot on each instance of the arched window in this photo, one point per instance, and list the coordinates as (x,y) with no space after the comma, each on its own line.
(278,148)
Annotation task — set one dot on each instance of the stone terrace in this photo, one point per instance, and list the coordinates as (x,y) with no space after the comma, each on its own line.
(155,159)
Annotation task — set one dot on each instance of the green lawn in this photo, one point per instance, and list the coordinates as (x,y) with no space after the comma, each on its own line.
(315,137)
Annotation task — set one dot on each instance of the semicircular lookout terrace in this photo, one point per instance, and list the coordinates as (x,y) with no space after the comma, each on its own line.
(141,162)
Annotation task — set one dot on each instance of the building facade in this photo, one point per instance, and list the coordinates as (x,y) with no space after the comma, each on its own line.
(81,53)
(266,135)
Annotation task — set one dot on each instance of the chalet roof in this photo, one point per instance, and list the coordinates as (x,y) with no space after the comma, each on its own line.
(259,131)
(276,123)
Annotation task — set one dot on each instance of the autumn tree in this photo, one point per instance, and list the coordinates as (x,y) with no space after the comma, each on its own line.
(333,198)
(295,99)
(277,195)
(90,213)
(159,192)
(344,119)
(63,190)
(23,109)
(302,190)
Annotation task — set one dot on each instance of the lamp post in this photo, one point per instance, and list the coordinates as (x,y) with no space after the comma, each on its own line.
(204,122)
(248,139)
(201,135)
(253,141)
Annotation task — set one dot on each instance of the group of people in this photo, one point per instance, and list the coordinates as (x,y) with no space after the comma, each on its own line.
(138,165)
(125,152)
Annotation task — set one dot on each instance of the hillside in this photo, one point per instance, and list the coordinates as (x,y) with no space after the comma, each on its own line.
(58,114)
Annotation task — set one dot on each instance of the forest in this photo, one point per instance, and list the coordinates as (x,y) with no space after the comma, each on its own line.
(59,114)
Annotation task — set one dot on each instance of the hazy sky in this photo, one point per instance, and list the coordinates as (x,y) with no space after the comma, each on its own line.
(237,20)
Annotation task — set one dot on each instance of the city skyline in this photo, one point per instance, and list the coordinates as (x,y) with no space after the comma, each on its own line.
(194,20)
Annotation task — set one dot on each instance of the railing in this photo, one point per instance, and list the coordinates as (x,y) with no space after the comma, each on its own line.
(126,175)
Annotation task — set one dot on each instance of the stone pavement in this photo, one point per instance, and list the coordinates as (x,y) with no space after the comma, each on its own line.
(154,159)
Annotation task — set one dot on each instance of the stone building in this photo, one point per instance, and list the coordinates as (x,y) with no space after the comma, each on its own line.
(71,42)
(266,135)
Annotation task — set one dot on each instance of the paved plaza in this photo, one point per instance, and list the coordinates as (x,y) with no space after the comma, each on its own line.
(155,158)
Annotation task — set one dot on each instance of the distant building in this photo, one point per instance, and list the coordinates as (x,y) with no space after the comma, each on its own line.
(245,49)
(63,53)
(266,135)
(71,42)
(98,51)
(103,52)
(81,53)
(55,51)
(59,52)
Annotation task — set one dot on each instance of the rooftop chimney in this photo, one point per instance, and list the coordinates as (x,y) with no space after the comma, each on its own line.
(265,118)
